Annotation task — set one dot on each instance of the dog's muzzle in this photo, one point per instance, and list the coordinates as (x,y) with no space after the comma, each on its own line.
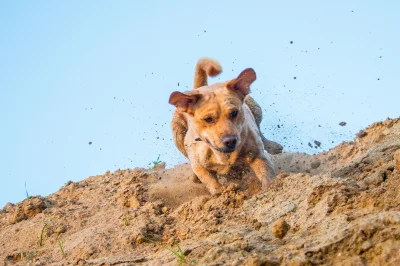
(229,142)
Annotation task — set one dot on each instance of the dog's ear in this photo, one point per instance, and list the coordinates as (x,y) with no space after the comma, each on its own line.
(241,84)
(183,101)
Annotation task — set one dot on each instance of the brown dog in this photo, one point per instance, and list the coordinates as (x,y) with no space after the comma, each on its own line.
(215,128)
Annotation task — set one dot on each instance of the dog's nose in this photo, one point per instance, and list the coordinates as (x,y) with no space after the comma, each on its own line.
(230,141)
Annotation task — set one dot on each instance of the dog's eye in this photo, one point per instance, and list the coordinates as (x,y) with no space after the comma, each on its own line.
(208,119)
(233,114)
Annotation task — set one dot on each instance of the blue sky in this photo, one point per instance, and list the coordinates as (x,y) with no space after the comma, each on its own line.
(74,72)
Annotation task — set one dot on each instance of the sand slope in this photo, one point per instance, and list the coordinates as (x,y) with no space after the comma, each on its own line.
(341,207)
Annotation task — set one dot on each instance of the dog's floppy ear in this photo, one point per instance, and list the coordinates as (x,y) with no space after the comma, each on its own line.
(241,84)
(183,101)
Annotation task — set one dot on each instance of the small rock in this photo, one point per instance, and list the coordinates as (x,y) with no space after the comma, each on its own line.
(288,206)
(237,236)
(187,251)
(361,134)
(150,227)
(315,164)
(139,239)
(80,262)
(365,246)
(164,209)
(240,244)
(61,229)
(396,157)
(257,225)
(280,228)
(375,178)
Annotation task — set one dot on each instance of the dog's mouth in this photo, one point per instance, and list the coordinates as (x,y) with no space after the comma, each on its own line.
(223,150)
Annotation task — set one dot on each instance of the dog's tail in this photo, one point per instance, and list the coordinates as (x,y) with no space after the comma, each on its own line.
(205,67)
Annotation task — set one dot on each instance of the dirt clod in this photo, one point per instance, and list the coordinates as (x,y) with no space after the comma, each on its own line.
(280,228)
(315,164)
(318,143)
(361,133)
(28,208)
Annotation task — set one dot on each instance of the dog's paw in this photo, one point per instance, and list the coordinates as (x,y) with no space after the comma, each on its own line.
(216,191)
(265,185)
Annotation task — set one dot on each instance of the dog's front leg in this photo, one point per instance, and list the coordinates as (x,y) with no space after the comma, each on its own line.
(263,169)
(208,179)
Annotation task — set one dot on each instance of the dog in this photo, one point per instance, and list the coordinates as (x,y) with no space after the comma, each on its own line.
(217,127)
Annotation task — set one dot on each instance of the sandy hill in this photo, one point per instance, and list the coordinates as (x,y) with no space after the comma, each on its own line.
(341,207)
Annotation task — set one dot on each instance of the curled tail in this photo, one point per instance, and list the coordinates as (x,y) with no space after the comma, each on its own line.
(205,67)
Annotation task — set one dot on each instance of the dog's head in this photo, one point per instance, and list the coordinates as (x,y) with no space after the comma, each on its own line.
(217,110)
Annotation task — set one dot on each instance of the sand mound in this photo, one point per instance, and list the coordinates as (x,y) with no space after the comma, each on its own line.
(341,207)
